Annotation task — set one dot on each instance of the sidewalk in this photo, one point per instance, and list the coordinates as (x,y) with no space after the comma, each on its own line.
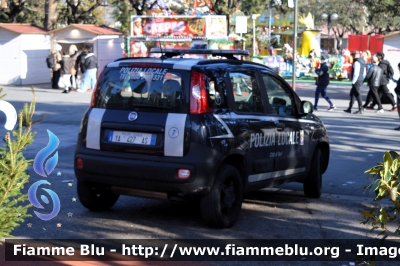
(291,216)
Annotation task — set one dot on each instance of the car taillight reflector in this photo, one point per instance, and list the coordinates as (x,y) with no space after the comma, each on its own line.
(79,163)
(183,173)
(198,94)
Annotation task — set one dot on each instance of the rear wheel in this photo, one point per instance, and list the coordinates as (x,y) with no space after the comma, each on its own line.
(313,183)
(221,206)
(95,197)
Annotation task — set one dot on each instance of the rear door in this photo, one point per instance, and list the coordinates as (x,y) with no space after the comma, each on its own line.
(140,109)
(253,129)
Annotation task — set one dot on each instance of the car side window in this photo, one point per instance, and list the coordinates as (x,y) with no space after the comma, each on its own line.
(279,96)
(216,93)
(246,92)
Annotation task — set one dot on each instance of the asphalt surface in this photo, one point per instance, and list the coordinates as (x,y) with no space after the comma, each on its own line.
(357,143)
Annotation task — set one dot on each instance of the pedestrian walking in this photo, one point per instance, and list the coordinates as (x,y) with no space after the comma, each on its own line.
(89,67)
(66,66)
(358,72)
(80,69)
(397,91)
(386,77)
(322,83)
(374,77)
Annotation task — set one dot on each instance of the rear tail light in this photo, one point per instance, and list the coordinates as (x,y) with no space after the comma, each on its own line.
(198,94)
(183,173)
(79,163)
(96,90)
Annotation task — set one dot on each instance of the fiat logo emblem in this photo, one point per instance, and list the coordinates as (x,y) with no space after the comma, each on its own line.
(132,116)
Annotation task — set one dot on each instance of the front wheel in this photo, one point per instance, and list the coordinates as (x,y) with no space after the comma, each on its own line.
(95,197)
(313,183)
(221,207)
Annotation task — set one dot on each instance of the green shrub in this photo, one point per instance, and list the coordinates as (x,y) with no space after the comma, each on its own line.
(385,183)
(13,170)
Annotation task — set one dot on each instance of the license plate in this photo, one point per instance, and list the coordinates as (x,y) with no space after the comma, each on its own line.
(132,137)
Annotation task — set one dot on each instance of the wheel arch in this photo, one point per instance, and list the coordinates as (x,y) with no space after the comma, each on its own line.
(325,151)
(239,162)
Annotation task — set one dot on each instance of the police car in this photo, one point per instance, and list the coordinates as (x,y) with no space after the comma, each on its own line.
(211,129)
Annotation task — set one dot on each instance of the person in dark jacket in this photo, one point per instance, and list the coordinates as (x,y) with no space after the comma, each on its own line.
(387,75)
(397,91)
(359,73)
(66,65)
(89,69)
(374,77)
(322,84)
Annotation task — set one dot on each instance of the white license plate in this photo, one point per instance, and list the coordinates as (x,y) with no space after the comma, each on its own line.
(132,137)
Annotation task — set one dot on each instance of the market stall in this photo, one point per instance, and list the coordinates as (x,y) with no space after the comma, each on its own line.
(107,43)
(23,49)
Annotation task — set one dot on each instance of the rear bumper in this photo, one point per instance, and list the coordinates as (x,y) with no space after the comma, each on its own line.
(151,173)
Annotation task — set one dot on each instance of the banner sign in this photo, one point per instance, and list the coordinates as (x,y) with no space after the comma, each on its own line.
(182,26)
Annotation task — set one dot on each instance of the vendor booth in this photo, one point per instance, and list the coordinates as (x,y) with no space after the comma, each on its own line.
(106,43)
(23,49)
(391,49)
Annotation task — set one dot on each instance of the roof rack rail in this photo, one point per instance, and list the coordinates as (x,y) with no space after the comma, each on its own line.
(214,52)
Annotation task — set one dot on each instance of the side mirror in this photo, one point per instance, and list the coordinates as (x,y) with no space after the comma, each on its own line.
(306,107)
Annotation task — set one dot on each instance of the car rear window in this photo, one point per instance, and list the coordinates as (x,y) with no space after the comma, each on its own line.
(125,88)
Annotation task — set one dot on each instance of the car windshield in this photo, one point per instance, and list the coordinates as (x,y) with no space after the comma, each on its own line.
(124,88)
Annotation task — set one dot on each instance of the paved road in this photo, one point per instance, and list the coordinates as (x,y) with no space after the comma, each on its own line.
(357,143)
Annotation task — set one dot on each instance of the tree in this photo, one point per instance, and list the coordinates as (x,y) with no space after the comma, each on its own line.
(50,17)
(122,14)
(82,12)
(350,18)
(222,7)
(11,10)
(139,7)
(383,15)
(13,171)
(123,9)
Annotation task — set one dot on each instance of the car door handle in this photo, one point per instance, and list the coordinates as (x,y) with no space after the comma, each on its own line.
(243,126)
(280,126)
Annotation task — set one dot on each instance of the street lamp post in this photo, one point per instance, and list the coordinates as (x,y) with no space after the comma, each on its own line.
(269,23)
(254,17)
(329,17)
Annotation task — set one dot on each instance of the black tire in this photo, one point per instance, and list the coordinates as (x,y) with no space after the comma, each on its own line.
(313,183)
(221,207)
(95,197)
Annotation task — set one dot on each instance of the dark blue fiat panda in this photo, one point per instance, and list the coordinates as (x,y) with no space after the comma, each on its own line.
(210,128)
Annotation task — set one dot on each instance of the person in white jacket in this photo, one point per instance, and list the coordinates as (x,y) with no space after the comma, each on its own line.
(359,72)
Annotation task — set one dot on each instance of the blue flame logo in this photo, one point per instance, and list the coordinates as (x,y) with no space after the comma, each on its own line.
(11,114)
(41,156)
(32,198)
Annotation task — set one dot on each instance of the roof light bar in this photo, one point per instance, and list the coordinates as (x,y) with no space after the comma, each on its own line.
(214,52)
